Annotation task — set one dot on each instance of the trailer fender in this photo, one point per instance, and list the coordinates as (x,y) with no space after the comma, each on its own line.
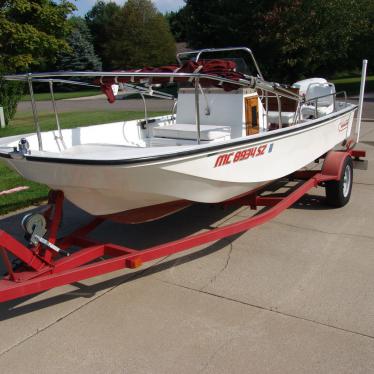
(333,164)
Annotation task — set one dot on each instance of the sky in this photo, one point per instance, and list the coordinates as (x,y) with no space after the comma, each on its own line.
(163,5)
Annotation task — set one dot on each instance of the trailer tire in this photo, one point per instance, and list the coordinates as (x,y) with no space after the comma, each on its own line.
(338,192)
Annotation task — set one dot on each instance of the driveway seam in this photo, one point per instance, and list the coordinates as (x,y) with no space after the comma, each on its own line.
(213,279)
(364,184)
(322,231)
(270,310)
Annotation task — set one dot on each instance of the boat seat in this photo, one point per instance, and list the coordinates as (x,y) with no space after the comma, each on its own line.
(288,108)
(286,117)
(324,95)
(309,111)
(188,131)
(172,142)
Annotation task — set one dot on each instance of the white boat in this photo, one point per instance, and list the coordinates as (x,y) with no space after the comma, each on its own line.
(216,145)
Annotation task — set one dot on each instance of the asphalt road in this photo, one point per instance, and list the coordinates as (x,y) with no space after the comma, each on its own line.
(92,104)
(368,108)
(98,104)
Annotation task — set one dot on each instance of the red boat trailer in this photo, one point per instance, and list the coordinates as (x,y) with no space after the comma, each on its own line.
(49,263)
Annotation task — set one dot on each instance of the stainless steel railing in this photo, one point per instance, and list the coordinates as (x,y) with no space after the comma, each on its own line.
(314,100)
(246,81)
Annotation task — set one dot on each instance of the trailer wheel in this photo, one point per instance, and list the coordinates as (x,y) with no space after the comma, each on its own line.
(338,192)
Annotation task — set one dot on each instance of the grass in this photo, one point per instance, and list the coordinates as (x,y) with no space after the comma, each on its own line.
(352,84)
(23,123)
(10,179)
(45,96)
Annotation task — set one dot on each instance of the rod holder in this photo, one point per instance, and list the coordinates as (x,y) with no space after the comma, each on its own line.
(361,99)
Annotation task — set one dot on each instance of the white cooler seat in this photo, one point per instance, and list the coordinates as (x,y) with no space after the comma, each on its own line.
(286,117)
(324,95)
(309,111)
(188,131)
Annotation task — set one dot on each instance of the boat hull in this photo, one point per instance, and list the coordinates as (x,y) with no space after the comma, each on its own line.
(208,176)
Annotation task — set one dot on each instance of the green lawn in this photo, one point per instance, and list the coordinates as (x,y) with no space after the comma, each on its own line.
(9,179)
(44,96)
(23,123)
(352,85)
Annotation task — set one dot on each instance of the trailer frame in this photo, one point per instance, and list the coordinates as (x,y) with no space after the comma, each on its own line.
(41,267)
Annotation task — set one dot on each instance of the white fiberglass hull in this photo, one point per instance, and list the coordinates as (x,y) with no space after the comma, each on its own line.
(212,174)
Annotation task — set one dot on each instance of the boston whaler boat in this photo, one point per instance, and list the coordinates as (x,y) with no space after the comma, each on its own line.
(230,133)
(228,137)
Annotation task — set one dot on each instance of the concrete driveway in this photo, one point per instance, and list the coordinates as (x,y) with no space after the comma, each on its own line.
(294,295)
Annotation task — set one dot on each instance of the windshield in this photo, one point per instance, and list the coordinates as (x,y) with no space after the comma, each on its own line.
(243,60)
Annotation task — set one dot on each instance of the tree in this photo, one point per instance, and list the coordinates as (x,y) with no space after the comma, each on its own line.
(221,23)
(178,24)
(31,34)
(81,55)
(136,34)
(10,94)
(362,45)
(311,37)
(100,23)
(290,38)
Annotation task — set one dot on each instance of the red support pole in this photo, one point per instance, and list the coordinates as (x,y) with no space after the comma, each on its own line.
(26,255)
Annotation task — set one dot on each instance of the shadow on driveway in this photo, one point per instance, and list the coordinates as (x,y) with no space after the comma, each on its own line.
(141,236)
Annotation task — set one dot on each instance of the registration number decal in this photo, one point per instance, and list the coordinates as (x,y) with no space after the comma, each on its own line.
(343,125)
(232,157)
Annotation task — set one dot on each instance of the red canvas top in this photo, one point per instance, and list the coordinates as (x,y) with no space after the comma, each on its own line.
(220,68)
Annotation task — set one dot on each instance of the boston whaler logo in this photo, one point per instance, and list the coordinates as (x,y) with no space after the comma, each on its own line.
(228,158)
(343,125)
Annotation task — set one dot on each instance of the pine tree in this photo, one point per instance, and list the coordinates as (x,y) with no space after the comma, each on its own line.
(81,55)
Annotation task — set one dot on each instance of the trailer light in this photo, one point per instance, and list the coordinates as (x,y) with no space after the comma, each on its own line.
(134,263)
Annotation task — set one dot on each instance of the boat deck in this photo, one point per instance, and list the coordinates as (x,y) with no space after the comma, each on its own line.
(113,151)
